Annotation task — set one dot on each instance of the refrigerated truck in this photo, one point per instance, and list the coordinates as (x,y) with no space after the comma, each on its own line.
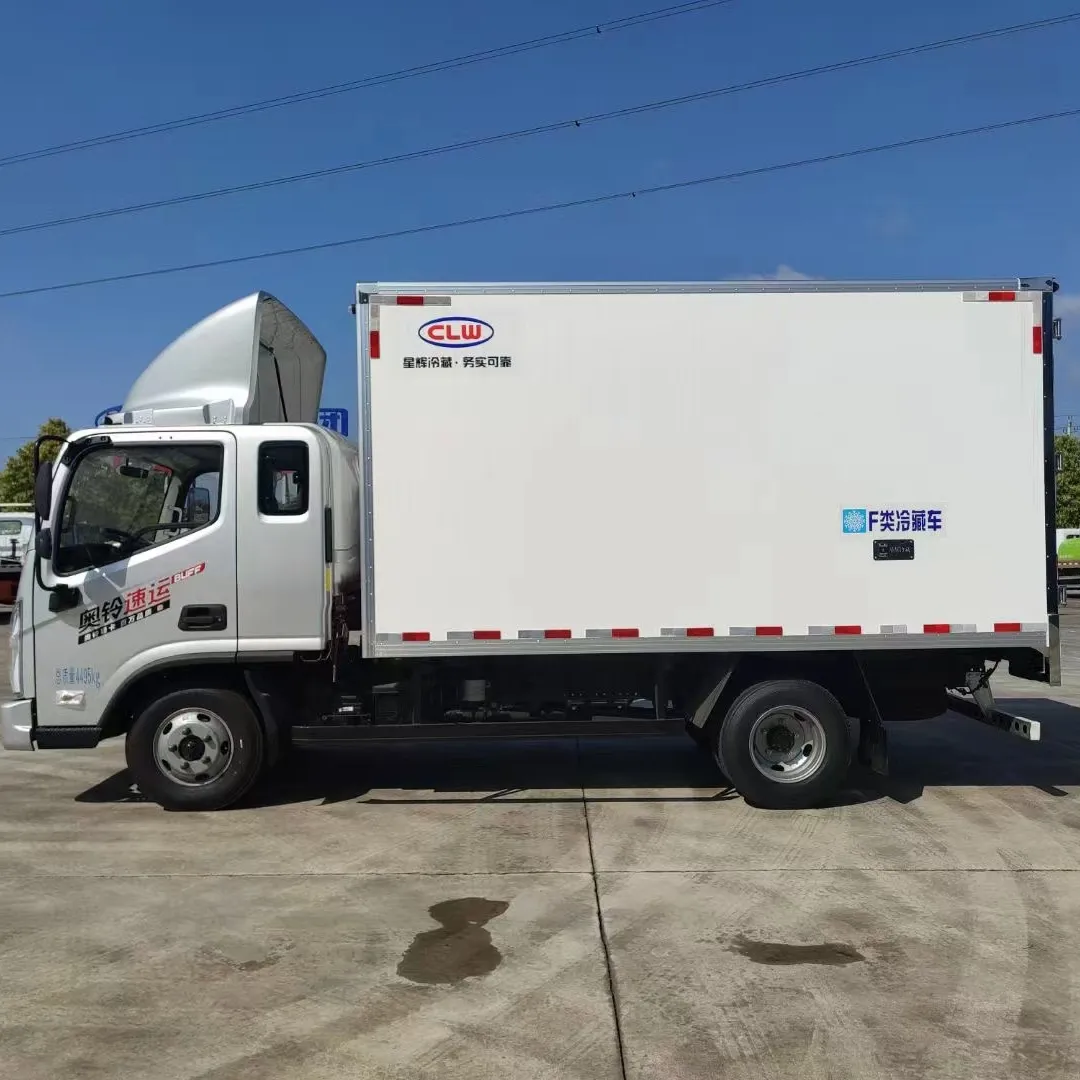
(571,512)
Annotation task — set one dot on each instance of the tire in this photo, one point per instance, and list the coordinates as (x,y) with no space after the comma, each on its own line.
(197,749)
(784,744)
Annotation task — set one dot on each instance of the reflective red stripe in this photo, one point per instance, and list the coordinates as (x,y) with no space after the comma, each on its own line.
(565,634)
(1036,340)
(409,301)
(1001,296)
(373,345)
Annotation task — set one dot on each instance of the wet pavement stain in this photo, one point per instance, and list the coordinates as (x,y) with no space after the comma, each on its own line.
(245,956)
(827,954)
(461,948)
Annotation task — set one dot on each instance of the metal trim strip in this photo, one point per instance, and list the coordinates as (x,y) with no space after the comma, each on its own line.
(1036,639)
(384,299)
(842,630)
(386,289)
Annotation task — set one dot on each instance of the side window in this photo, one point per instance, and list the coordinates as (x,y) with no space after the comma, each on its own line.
(125,499)
(283,478)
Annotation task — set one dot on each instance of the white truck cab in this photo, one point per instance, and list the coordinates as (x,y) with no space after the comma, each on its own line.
(210,520)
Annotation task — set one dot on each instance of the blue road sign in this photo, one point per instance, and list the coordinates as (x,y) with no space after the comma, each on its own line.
(335,419)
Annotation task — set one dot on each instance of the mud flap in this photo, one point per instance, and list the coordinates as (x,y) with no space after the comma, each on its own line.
(262,698)
(703,702)
(873,740)
(874,747)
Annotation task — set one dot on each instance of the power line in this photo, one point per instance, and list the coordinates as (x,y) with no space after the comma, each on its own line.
(318,93)
(547,208)
(548,128)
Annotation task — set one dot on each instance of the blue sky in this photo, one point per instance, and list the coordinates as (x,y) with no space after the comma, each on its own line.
(997,205)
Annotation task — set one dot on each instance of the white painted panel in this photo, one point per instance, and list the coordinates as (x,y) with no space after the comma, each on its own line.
(283,602)
(127,617)
(676,460)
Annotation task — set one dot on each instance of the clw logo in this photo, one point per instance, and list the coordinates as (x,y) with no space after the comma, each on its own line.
(456,332)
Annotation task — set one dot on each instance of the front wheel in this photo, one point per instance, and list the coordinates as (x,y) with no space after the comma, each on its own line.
(784,744)
(197,749)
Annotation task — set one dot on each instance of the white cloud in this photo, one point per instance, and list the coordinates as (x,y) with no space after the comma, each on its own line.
(782,273)
(1067,304)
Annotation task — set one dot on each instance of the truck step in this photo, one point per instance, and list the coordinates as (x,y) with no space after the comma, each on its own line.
(1020,726)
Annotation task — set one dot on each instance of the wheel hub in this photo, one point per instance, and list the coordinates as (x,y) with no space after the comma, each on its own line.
(780,739)
(787,744)
(193,747)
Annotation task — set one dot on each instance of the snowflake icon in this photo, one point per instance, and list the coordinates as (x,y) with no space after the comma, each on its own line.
(854,521)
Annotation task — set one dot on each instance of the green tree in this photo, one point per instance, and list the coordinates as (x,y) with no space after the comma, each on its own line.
(1068,482)
(17,479)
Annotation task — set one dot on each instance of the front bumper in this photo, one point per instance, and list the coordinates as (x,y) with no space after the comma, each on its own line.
(17,724)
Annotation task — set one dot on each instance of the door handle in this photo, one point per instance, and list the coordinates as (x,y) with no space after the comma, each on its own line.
(203,617)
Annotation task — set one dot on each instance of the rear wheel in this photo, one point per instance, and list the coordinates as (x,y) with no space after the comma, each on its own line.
(784,744)
(197,749)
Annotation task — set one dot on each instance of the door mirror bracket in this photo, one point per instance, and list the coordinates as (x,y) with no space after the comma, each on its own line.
(63,598)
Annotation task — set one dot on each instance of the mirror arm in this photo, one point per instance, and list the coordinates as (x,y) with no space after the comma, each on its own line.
(61,597)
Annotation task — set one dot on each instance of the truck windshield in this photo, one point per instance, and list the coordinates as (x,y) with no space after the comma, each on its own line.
(126,499)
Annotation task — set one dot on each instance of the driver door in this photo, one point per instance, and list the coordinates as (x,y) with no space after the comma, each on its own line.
(153,566)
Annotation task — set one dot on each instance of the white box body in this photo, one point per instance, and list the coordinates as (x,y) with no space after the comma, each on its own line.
(702,466)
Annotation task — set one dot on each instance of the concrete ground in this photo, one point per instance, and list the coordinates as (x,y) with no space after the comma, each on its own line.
(552,910)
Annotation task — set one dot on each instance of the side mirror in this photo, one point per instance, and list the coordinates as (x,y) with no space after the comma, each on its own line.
(43,490)
(43,546)
(43,477)
(198,505)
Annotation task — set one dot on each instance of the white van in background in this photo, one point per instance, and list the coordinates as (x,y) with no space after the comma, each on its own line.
(16,529)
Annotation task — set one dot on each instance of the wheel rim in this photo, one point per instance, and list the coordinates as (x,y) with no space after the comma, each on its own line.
(787,744)
(193,747)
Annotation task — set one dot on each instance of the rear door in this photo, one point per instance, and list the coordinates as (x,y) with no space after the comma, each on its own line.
(144,531)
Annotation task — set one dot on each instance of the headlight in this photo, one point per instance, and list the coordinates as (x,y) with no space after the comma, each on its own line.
(16,650)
